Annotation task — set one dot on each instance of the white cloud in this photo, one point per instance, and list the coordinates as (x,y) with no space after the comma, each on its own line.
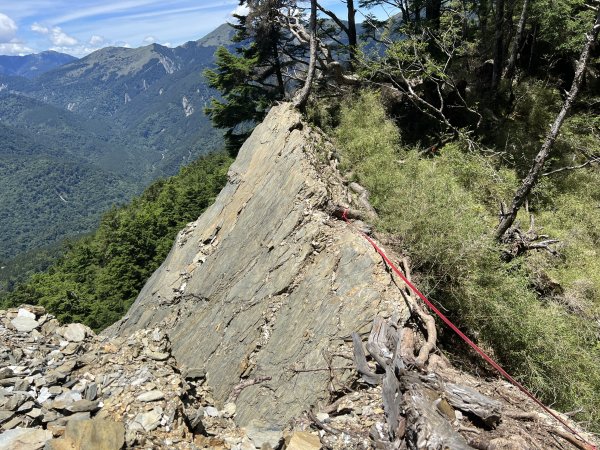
(96,40)
(59,37)
(8,28)
(15,48)
(56,35)
(149,39)
(241,10)
(39,28)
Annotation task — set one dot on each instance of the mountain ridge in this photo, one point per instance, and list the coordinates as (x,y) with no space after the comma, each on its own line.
(135,113)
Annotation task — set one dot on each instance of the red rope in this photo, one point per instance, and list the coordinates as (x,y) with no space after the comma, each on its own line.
(475,347)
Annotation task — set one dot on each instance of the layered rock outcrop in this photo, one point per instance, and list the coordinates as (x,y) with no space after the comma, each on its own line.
(250,336)
(266,284)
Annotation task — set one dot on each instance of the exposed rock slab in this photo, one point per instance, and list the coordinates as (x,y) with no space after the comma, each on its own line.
(265,280)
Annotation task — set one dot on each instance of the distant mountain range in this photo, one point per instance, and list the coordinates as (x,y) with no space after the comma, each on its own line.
(78,135)
(31,66)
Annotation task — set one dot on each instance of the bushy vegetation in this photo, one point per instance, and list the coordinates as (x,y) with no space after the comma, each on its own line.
(99,276)
(444,210)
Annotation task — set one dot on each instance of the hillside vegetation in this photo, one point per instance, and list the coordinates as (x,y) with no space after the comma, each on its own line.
(97,131)
(537,313)
(99,276)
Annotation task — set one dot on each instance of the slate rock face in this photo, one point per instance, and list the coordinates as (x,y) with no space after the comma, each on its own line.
(266,282)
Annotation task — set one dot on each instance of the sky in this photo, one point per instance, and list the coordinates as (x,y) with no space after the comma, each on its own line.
(79,27)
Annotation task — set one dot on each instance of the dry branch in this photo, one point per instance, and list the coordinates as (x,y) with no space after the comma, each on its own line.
(361,362)
(237,390)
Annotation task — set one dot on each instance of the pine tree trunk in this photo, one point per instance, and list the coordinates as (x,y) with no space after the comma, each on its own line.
(352,39)
(278,73)
(302,96)
(509,71)
(498,44)
(532,177)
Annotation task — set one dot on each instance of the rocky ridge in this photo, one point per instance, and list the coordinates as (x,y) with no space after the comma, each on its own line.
(251,336)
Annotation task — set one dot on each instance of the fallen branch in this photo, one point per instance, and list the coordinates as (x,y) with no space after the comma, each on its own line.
(571,439)
(237,390)
(361,362)
(321,425)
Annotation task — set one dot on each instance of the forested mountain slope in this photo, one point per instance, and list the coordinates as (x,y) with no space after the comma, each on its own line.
(31,66)
(96,131)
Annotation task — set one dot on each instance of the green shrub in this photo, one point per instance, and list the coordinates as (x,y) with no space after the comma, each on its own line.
(444,210)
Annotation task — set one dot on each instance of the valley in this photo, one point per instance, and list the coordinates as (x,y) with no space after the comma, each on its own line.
(89,133)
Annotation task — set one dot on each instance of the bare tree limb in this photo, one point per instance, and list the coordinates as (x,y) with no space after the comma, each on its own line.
(532,177)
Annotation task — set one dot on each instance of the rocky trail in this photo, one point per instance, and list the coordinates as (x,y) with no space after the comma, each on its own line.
(272,324)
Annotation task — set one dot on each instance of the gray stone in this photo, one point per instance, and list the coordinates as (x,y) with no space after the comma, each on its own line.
(69,397)
(24,324)
(15,401)
(44,395)
(24,313)
(322,417)
(157,356)
(6,372)
(252,257)
(150,396)
(194,373)
(91,391)
(9,381)
(22,385)
(228,410)
(67,367)
(83,405)
(12,423)
(5,415)
(50,326)
(92,434)
(35,413)
(147,421)
(76,332)
(55,390)
(27,406)
(211,411)
(264,435)
(24,439)
(71,348)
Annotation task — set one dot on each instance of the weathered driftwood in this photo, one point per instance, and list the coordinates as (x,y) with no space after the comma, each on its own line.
(470,401)
(363,199)
(361,362)
(377,345)
(426,428)
(391,402)
(466,399)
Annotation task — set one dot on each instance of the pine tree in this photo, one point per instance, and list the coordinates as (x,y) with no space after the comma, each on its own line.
(250,78)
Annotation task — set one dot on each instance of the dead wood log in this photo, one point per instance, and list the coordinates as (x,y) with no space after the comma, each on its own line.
(407,346)
(361,362)
(391,402)
(466,399)
(470,401)
(339,212)
(426,427)
(377,344)
(571,439)
(363,199)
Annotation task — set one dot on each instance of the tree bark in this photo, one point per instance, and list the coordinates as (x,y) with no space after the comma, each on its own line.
(532,177)
(352,39)
(498,44)
(302,97)
(433,12)
(509,71)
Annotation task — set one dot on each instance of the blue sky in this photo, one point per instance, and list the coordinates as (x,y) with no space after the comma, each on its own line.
(79,27)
